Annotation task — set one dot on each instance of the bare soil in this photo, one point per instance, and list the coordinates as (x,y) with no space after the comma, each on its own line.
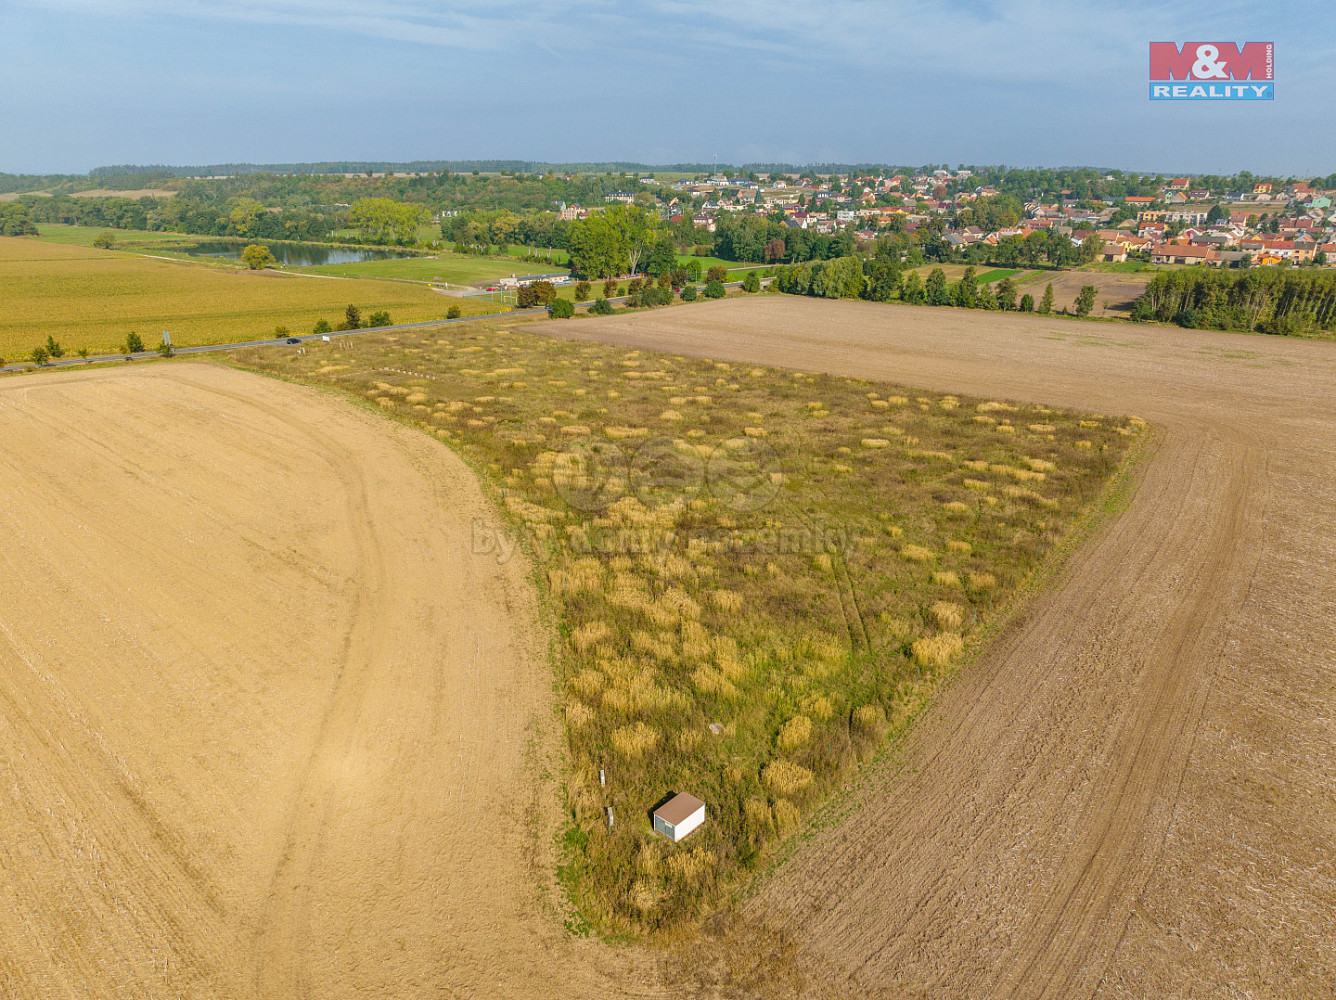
(1117,290)
(1133,793)
(267,728)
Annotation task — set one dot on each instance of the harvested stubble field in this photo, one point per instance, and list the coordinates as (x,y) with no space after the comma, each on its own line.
(1133,792)
(269,729)
(759,574)
(92,298)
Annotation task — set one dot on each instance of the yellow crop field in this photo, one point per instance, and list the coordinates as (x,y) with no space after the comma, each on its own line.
(92,298)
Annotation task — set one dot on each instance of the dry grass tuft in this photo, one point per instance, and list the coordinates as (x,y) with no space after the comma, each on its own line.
(955,545)
(796,732)
(783,777)
(917,553)
(632,741)
(946,578)
(939,650)
(590,634)
(947,615)
(727,601)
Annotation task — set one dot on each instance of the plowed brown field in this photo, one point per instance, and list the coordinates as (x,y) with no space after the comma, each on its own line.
(267,728)
(1133,794)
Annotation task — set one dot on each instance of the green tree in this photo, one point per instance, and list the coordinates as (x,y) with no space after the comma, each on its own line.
(1091,247)
(883,278)
(601,307)
(663,257)
(714,289)
(384,220)
(245,216)
(561,308)
(39,356)
(751,283)
(165,349)
(1006,294)
(352,318)
(134,344)
(1027,303)
(105,241)
(1085,300)
(53,347)
(694,269)
(1046,302)
(936,289)
(378,319)
(717,273)
(689,293)
(257,257)
(967,289)
(321,327)
(597,248)
(610,288)
(581,291)
(82,352)
(454,312)
(912,290)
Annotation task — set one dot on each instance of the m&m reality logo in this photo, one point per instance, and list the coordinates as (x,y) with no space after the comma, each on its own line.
(1212,71)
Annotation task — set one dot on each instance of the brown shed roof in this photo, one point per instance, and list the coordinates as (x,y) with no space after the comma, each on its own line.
(678,808)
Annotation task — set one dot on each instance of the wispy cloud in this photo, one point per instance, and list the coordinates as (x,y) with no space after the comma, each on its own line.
(468,25)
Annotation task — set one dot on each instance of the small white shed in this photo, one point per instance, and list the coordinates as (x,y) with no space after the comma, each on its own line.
(679,816)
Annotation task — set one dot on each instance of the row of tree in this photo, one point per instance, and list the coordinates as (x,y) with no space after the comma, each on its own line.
(1266,300)
(881,279)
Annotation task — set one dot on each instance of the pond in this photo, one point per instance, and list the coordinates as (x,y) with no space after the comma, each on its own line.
(294,254)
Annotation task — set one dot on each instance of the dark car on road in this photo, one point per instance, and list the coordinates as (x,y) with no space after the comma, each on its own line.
(294,340)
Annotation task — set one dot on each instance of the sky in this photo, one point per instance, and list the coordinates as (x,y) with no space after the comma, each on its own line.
(1019,82)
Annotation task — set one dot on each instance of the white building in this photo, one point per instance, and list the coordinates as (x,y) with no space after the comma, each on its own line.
(679,816)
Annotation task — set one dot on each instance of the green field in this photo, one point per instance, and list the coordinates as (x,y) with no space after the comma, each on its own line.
(997,274)
(84,297)
(1120,266)
(83,236)
(456,269)
(760,576)
(708,262)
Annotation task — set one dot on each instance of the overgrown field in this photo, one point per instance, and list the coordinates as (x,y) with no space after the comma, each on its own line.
(759,574)
(93,298)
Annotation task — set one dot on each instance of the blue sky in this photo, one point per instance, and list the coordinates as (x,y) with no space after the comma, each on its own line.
(1023,82)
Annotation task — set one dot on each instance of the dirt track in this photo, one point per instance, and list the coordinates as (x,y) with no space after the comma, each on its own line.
(267,728)
(1134,793)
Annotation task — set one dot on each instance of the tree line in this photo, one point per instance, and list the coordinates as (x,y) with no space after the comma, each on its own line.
(1263,300)
(882,278)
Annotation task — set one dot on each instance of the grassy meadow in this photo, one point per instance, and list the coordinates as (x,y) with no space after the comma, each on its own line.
(83,236)
(759,576)
(91,298)
(457,269)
